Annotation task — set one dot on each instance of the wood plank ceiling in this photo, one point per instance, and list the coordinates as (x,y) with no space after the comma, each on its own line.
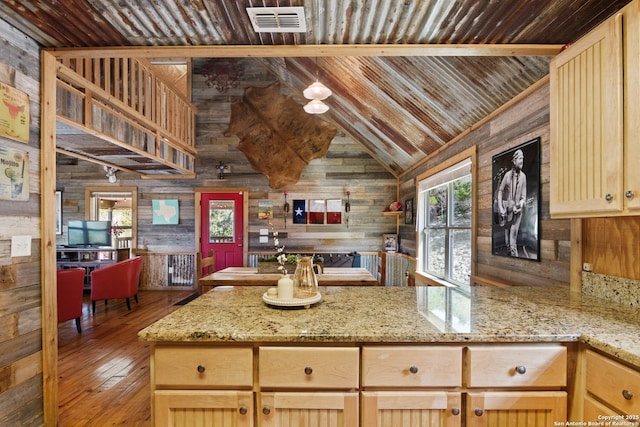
(400,109)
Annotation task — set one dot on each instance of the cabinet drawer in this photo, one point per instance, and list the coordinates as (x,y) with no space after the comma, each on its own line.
(201,367)
(308,367)
(434,366)
(516,366)
(613,382)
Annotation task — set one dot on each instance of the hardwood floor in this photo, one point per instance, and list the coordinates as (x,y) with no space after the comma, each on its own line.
(104,371)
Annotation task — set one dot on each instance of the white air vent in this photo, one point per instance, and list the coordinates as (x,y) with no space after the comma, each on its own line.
(277,19)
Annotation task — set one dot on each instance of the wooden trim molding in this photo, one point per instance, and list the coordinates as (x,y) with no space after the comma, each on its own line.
(49,321)
(244,51)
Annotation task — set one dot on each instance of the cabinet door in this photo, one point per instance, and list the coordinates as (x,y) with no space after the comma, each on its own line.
(632,106)
(325,409)
(613,383)
(516,408)
(411,408)
(180,408)
(586,118)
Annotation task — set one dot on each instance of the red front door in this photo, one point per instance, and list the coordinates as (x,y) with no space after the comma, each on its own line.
(222,228)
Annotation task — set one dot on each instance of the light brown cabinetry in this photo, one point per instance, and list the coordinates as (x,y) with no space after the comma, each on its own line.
(202,386)
(444,385)
(594,119)
(515,385)
(405,386)
(611,389)
(308,386)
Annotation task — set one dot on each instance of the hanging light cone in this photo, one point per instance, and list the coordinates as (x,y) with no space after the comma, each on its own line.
(317,91)
(316,107)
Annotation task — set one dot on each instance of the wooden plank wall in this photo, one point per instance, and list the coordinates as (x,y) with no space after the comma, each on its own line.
(520,123)
(345,168)
(21,382)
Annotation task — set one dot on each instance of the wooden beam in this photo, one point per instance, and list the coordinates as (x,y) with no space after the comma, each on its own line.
(310,50)
(48,240)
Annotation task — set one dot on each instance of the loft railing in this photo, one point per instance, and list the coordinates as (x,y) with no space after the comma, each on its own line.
(121,100)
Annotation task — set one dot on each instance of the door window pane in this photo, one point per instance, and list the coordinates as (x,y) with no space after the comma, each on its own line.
(221,221)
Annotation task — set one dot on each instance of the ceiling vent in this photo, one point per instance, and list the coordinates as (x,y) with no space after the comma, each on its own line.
(277,19)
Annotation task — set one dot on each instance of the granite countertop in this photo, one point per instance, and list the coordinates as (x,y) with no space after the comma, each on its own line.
(353,314)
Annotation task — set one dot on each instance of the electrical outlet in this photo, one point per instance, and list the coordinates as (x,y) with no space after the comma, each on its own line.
(586,266)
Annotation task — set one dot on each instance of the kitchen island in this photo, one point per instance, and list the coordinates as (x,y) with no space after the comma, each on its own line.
(358,337)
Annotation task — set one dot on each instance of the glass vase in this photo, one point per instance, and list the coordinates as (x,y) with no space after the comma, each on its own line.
(305,282)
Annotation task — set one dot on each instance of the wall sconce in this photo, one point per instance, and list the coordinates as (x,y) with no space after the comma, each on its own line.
(222,74)
(221,168)
(285,208)
(111,174)
(347,208)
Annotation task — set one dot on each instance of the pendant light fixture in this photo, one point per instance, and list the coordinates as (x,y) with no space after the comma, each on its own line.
(316,107)
(316,92)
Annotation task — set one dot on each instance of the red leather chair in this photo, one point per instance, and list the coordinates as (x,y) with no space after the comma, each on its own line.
(135,278)
(119,280)
(70,284)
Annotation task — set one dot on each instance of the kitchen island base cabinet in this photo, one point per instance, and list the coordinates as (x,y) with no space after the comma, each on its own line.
(411,408)
(307,409)
(515,385)
(513,408)
(611,388)
(202,386)
(180,408)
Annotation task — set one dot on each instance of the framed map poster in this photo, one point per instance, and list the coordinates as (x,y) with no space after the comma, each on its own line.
(165,212)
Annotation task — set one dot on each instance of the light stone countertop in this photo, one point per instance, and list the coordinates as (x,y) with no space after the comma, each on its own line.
(401,315)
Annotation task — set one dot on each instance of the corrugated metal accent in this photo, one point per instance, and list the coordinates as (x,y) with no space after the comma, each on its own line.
(202,22)
(398,109)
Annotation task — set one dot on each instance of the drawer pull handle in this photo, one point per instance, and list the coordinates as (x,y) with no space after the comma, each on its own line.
(478,412)
(608,197)
(521,369)
(243,410)
(627,394)
(308,370)
(629,194)
(455,411)
(413,369)
(266,410)
(201,368)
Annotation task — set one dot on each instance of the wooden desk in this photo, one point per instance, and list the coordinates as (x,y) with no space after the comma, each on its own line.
(334,276)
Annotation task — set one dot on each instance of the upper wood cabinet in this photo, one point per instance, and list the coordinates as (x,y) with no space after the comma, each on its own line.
(595,121)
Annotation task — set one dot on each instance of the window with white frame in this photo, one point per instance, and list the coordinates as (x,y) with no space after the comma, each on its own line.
(444,224)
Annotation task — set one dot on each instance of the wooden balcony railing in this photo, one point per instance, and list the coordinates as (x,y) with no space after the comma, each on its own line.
(122,101)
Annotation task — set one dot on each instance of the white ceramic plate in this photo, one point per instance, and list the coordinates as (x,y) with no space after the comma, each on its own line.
(296,302)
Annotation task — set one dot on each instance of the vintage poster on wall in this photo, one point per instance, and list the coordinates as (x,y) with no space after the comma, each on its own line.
(299,211)
(14,114)
(516,202)
(14,174)
(316,211)
(334,211)
(265,209)
(165,212)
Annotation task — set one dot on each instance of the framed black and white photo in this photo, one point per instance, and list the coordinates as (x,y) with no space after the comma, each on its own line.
(390,242)
(58,212)
(515,229)
(408,211)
